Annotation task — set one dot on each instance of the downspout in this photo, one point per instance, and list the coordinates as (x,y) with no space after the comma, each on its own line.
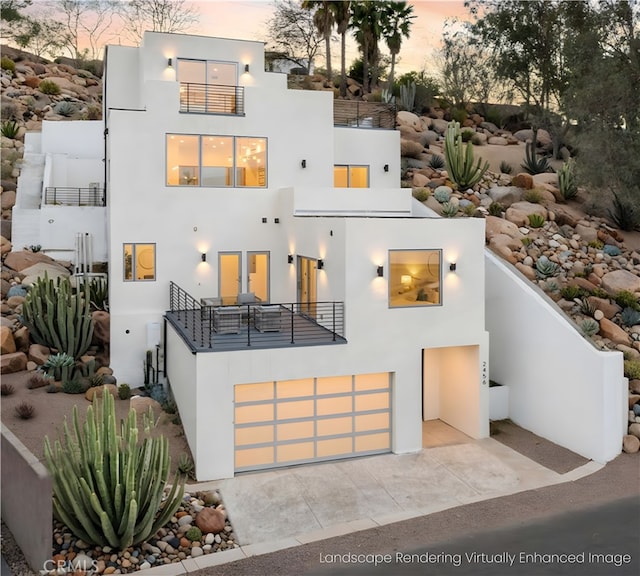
(104,118)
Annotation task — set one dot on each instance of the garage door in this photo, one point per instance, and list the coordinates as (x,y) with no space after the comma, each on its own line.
(296,421)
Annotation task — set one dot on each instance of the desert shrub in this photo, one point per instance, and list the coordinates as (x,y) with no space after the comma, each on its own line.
(130,504)
(25,411)
(536,220)
(496,209)
(7,64)
(533,195)
(589,327)
(571,292)
(52,388)
(505,167)
(93,112)
(632,369)
(6,389)
(626,299)
(421,194)
(459,115)
(449,209)
(8,111)
(38,380)
(630,317)
(625,212)
(73,386)
(194,534)
(526,241)
(469,209)
(436,162)
(9,129)
(124,391)
(597,244)
(467,135)
(49,87)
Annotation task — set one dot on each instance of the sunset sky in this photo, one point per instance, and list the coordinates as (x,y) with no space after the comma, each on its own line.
(245,19)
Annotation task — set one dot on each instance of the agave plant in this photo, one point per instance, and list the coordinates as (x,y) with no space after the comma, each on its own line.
(567,180)
(536,220)
(545,268)
(108,488)
(532,164)
(449,209)
(589,327)
(630,317)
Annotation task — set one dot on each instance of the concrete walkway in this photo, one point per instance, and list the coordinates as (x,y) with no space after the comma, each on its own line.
(283,508)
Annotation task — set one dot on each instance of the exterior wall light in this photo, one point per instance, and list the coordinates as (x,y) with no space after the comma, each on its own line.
(452,266)
(386,167)
(246,68)
(264,220)
(204,256)
(170,63)
(290,258)
(320,263)
(303,163)
(380,271)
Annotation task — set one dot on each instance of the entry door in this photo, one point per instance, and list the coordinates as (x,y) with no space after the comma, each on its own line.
(307,285)
(230,277)
(258,274)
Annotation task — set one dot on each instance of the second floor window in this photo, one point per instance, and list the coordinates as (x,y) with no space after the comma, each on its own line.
(210,87)
(350,176)
(216,161)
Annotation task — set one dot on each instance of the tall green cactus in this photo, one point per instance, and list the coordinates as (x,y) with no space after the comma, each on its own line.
(57,317)
(107,488)
(460,161)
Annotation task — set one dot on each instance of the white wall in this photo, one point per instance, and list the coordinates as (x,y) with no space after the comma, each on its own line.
(80,138)
(375,202)
(560,386)
(60,224)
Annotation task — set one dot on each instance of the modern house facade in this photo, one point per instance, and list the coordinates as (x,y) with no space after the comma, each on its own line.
(261,248)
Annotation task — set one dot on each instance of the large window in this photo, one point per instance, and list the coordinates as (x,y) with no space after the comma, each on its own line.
(139,262)
(415,278)
(209,87)
(350,176)
(216,161)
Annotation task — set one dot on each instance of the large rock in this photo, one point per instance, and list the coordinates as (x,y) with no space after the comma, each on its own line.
(100,390)
(101,327)
(21,338)
(404,118)
(15,362)
(630,444)
(635,429)
(613,332)
(7,343)
(410,148)
(587,233)
(495,225)
(618,280)
(7,200)
(497,141)
(506,195)
(38,353)
(440,126)
(519,212)
(23,259)
(523,180)
(5,245)
(210,520)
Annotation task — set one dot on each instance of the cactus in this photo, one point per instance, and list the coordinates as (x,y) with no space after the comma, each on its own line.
(58,318)
(107,487)
(460,161)
(408,96)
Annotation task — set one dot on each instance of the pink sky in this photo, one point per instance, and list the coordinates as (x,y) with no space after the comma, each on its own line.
(245,19)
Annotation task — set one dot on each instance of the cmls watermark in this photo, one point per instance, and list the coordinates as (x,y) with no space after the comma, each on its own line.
(79,565)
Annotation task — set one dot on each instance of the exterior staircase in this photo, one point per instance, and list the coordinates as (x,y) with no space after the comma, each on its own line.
(25,227)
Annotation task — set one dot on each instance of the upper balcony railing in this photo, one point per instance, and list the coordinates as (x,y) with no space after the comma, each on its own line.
(358,114)
(93,196)
(211,99)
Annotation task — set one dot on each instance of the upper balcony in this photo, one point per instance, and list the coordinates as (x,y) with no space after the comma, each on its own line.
(67,196)
(211,99)
(358,114)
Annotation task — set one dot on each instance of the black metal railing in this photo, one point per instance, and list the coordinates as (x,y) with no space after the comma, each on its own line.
(358,114)
(211,99)
(93,196)
(259,325)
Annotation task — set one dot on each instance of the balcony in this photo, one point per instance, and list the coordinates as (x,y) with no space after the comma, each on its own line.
(93,196)
(211,99)
(229,328)
(358,114)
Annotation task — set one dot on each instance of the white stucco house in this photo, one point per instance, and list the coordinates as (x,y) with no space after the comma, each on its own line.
(259,243)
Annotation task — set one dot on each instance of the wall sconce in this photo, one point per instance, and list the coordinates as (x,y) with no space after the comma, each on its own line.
(276,220)
(204,256)
(386,167)
(320,263)
(380,271)
(246,68)
(170,63)
(264,220)
(303,163)
(452,266)
(290,259)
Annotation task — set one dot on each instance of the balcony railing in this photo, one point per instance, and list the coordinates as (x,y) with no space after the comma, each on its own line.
(93,196)
(287,324)
(358,114)
(211,99)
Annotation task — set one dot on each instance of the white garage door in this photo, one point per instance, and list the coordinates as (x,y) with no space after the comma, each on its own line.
(295,421)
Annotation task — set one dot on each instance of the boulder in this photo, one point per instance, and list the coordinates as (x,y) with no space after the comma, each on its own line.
(410,149)
(613,332)
(506,195)
(101,328)
(419,180)
(21,338)
(634,386)
(528,271)
(5,245)
(440,126)
(587,233)
(523,180)
(7,343)
(635,429)
(428,137)
(37,271)
(38,353)
(18,261)
(7,200)
(630,444)
(100,390)
(495,225)
(14,362)
(618,280)
(404,118)
(497,141)
(210,520)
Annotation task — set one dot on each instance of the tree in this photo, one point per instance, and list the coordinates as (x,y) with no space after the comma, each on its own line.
(343,18)
(324,19)
(292,31)
(13,21)
(396,23)
(157,16)
(40,36)
(365,22)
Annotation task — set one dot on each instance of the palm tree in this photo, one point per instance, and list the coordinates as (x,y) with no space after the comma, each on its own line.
(343,18)
(324,20)
(365,21)
(396,23)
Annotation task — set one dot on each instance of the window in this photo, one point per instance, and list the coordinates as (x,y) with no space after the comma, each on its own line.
(209,87)
(216,161)
(139,262)
(350,176)
(415,278)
